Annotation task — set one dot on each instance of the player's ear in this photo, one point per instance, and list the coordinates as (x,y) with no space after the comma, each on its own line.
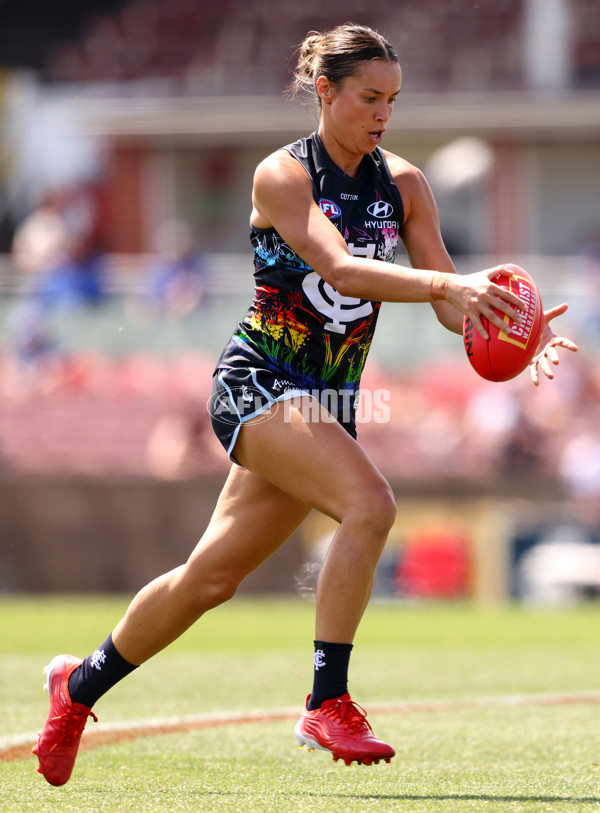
(324,89)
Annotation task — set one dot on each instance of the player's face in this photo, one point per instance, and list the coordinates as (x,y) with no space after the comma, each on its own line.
(356,114)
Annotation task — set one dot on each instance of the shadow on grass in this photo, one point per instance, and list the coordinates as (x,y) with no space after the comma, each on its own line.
(464,797)
(432,797)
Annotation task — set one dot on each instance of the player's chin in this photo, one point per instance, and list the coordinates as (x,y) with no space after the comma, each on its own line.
(368,141)
(375,138)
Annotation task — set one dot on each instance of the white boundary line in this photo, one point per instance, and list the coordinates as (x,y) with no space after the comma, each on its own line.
(171,724)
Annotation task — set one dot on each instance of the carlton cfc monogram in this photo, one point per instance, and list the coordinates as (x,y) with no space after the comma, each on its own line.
(339,310)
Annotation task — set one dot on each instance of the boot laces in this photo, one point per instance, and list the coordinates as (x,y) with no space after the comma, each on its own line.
(72,724)
(349,714)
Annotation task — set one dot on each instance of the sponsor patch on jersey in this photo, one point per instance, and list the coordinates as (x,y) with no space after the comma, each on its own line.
(329,208)
(380,209)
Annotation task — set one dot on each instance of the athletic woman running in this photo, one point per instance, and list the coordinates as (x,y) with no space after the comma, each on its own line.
(328,212)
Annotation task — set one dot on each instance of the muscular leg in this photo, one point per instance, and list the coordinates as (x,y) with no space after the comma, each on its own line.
(252,519)
(290,466)
(320,465)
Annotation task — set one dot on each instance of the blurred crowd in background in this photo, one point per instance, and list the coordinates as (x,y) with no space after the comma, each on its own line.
(447,44)
(138,233)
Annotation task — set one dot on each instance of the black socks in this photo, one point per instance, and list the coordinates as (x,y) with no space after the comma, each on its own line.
(98,673)
(331,672)
(105,667)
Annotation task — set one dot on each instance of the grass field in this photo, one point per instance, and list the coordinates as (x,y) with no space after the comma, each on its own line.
(488,711)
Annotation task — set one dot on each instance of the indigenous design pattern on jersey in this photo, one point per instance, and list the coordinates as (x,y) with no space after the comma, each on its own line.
(298,325)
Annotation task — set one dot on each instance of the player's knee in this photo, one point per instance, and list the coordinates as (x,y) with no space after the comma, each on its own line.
(383,508)
(212,590)
(376,508)
(222,588)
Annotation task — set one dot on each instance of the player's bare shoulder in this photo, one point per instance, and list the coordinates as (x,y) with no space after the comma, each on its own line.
(279,166)
(412,185)
(278,180)
(408,177)
(280,174)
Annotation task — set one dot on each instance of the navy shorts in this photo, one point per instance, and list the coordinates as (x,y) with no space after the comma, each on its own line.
(240,394)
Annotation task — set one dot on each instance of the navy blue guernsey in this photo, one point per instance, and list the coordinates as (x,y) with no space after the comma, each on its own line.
(298,325)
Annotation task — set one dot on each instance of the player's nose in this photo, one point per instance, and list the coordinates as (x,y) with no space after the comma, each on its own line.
(382,113)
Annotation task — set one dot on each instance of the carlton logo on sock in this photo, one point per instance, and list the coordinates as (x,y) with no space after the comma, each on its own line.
(319,659)
(97,659)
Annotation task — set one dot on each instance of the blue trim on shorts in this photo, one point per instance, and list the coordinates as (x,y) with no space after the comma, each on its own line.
(270,401)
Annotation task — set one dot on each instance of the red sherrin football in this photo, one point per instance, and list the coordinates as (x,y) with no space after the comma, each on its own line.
(505,355)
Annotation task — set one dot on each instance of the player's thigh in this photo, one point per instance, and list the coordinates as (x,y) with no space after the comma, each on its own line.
(311,457)
(251,520)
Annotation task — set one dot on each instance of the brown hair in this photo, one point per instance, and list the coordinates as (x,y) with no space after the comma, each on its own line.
(337,54)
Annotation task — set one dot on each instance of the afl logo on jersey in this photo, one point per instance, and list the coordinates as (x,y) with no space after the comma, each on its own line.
(329,208)
(380,209)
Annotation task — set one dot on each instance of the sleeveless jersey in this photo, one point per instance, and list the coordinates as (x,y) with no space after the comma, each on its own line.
(298,326)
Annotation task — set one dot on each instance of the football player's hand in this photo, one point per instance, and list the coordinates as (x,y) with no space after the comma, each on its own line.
(547,351)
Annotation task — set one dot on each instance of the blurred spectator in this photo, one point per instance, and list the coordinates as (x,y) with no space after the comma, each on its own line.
(28,336)
(59,247)
(41,242)
(33,361)
(176,279)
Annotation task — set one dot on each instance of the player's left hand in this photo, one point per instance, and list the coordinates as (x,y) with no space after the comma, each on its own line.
(547,349)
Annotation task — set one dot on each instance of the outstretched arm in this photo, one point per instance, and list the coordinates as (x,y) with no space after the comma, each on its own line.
(425,247)
(282,199)
(473,295)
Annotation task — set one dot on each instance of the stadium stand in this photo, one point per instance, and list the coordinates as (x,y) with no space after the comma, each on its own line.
(118,401)
(240,45)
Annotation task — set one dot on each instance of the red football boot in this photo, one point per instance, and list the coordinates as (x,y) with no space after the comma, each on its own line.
(340,727)
(58,743)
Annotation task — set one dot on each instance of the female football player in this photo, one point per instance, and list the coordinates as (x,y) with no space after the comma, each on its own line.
(328,212)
